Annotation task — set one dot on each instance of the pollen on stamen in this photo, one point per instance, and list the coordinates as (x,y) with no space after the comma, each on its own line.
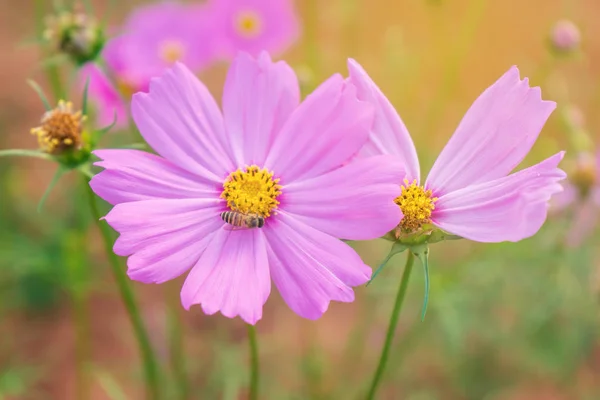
(252,190)
(60,130)
(416,204)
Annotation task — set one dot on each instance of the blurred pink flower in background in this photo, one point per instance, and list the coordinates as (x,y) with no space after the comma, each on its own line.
(581,197)
(152,39)
(254,25)
(469,191)
(267,154)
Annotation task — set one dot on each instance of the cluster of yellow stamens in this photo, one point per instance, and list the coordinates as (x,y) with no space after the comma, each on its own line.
(248,23)
(171,51)
(416,204)
(252,190)
(60,130)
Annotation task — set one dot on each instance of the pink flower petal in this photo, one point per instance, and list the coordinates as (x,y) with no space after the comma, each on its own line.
(564,199)
(506,209)
(164,238)
(388,134)
(596,195)
(583,224)
(354,202)
(181,121)
(311,268)
(329,127)
(493,137)
(232,276)
(133,175)
(259,97)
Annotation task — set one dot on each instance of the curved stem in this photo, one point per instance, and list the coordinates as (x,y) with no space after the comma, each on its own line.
(392,326)
(254,373)
(128,298)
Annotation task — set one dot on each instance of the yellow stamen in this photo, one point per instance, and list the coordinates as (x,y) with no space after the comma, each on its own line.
(416,204)
(125,89)
(171,51)
(248,23)
(252,190)
(60,130)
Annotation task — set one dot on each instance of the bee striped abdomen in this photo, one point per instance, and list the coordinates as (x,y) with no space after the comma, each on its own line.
(233,218)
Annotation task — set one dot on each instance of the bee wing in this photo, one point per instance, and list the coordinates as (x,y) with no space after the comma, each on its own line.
(229,227)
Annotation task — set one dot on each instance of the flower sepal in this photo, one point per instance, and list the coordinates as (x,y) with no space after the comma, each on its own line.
(428,233)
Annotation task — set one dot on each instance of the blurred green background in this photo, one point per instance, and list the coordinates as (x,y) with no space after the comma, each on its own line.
(505,321)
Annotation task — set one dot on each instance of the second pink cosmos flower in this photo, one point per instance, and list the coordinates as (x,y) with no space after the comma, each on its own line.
(266,154)
(469,191)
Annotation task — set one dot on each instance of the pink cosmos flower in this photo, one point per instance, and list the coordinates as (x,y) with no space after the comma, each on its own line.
(153,38)
(582,197)
(470,191)
(265,155)
(253,25)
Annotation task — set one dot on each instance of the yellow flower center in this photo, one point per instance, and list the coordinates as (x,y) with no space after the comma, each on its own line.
(252,190)
(416,204)
(171,51)
(248,24)
(60,129)
(126,89)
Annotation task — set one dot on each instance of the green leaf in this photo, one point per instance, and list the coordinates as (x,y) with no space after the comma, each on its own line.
(397,247)
(26,153)
(60,171)
(422,253)
(40,93)
(101,132)
(84,101)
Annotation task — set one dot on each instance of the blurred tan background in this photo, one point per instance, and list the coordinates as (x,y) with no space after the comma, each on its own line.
(506,321)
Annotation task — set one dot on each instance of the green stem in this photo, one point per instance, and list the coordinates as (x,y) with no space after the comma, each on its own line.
(77,274)
(254,372)
(392,326)
(128,298)
(175,332)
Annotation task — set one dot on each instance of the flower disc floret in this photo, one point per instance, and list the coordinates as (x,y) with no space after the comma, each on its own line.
(416,204)
(60,130)
(248,23)
(171,51)
(252,190)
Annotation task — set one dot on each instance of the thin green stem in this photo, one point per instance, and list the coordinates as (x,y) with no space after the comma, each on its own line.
(128,298)
(254,372)
(75,245)
(175,332)
(392,327)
